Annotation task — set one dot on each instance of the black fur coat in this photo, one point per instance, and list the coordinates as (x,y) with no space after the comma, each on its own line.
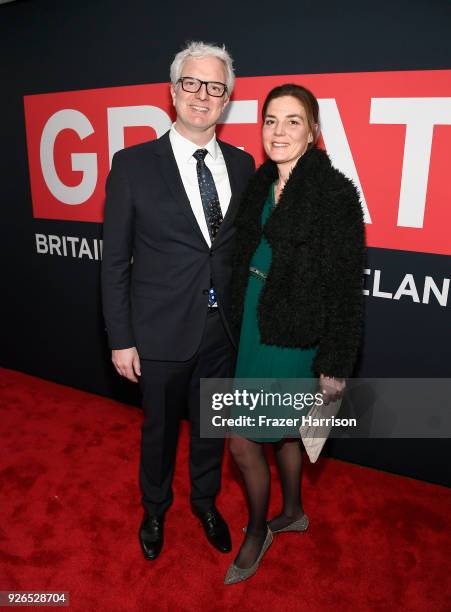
(313,291)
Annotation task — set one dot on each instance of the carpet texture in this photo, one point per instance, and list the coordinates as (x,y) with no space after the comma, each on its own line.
(70,513)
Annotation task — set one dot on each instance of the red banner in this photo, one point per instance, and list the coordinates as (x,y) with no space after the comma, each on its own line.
(388,131)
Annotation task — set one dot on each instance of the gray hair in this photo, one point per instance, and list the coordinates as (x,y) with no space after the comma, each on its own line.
(199,49)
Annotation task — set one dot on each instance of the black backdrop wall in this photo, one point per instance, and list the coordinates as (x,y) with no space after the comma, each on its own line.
(52,324)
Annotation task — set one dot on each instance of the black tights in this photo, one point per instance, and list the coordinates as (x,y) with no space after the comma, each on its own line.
(251,460)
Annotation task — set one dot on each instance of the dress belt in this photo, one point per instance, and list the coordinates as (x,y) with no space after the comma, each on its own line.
(257,273)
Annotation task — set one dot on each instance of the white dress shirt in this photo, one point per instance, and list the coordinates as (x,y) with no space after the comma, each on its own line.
(183,151)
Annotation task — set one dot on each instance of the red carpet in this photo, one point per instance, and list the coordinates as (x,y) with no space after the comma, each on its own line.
(70,513)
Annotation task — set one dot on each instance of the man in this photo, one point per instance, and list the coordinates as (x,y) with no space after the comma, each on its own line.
(170,206)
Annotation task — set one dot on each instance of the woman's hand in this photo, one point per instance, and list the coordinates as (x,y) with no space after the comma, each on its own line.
(331,388)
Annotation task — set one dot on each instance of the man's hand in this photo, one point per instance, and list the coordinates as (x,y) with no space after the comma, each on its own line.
(331,388)
(127,364)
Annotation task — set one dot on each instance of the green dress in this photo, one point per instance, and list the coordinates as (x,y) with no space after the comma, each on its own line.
(257,360)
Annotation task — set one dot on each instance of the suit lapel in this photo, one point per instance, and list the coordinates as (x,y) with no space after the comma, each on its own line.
(170,172)
(234,199)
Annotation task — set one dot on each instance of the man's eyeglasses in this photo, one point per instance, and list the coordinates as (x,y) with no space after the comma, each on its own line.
(192,85)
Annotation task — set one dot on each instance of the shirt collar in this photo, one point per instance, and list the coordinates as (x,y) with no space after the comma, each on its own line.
(185,148)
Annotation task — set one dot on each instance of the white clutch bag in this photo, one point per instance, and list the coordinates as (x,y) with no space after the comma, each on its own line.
(316,429)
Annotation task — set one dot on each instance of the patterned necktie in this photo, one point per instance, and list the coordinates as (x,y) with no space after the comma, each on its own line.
(208,194)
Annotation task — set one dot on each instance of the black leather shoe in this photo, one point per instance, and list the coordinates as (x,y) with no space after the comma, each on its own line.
(151,536)
(216,529)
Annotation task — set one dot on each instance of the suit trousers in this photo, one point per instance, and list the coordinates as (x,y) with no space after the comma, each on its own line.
(169,390)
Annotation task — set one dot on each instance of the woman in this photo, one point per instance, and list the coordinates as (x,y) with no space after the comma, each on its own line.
(298,272)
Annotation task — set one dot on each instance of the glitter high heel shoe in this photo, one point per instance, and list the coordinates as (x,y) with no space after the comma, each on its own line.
(236,574)
(300,524)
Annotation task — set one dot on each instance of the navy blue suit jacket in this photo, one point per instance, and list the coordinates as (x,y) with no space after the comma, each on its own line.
(156,265)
